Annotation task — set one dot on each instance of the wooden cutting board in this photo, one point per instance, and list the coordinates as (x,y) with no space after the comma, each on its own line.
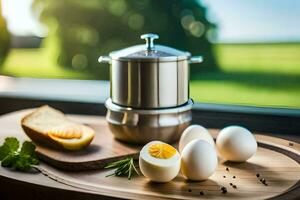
(280,172)
(102,150)
(276,160)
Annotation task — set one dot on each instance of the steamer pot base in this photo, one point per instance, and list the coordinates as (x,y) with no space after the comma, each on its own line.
(142,126)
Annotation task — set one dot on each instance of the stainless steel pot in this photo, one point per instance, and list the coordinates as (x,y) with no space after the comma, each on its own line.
(142,126)
(149,76)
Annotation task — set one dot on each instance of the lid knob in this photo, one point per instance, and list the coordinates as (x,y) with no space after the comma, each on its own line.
(149,37)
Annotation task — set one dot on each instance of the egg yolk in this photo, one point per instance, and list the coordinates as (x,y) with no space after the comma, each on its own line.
(66,132)
(162,151)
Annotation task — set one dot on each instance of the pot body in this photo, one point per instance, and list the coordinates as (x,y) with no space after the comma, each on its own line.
(149,85)
(142,126)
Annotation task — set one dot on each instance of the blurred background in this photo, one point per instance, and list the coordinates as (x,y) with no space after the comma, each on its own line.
(251,47)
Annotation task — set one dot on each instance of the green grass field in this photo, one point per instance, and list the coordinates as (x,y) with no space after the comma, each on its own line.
(254,74)
(36,63)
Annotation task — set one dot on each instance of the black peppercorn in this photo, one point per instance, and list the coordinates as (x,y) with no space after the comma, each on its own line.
(190,190)
(227,169)
(257,175)
(201,193)
(234,186)
(224,176)
(224,189)
(233,177)
(263,181)
(231,184)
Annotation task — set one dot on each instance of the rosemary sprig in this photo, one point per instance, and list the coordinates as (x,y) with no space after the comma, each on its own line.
(123,167)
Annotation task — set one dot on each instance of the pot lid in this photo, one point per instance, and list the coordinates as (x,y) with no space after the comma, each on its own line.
(149,52)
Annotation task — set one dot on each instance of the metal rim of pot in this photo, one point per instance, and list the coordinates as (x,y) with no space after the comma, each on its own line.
(114,107)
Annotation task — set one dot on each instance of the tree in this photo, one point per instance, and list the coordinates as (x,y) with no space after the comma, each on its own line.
(4,38)
(88,29)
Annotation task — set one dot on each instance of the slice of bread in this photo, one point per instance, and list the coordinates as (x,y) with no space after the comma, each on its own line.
(48,126)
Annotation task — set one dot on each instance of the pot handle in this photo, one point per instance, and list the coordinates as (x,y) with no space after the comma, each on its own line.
(196,59)
(104,59)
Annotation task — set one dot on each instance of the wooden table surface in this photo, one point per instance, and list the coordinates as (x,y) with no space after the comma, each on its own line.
(18,185)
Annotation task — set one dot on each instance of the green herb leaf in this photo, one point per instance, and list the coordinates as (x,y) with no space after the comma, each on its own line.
(123,167)
(9,146)
(28,152)
(9,160)
(23,163)
(21,160)
(27,148)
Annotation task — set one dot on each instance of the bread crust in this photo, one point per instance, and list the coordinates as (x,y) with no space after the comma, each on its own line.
(41,138)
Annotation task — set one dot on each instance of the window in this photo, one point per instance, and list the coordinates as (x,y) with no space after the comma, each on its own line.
(251,48)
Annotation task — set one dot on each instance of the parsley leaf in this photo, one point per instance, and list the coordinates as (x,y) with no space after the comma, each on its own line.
(21,160)
(9,146)
(28,151)
(9,160)
(22,163)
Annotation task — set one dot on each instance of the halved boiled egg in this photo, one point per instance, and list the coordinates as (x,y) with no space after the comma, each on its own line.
(159,161)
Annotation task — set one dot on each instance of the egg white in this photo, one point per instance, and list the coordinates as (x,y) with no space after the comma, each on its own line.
(236,143)
(198,160)
(156,169)
(195,132)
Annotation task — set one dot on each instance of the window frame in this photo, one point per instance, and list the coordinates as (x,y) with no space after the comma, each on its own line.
(260,119)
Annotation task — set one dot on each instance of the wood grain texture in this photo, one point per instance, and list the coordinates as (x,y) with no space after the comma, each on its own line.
(280,171)
(102,150)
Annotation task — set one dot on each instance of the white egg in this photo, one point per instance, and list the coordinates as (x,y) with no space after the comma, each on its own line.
(198,160)
(159,161)
(235,143)
(195,132)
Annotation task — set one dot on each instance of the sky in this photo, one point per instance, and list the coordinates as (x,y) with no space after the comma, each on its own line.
(237,20)
(20,19)
(255,20)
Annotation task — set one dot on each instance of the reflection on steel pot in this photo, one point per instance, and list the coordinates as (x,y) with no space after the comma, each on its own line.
(149,76)
(143,126)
